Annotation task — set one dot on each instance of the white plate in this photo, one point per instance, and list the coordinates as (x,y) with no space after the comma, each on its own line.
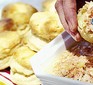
(5,78)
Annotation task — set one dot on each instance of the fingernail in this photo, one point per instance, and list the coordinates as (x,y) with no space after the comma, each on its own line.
(78,37)
(73,28)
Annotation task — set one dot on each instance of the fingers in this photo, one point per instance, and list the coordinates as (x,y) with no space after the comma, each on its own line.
(60,11)
(67,13)
(69,8)
(76,36)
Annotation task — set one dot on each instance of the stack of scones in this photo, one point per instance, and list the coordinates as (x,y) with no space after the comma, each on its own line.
(23,32)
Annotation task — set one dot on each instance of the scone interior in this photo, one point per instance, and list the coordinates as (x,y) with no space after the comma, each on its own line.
(21,71)
(85,21)
(8,42)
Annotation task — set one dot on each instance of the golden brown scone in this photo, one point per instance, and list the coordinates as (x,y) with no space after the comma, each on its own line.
(85,21)
(33,42)
(46,25)
(8,41)
(23,54)
(21,71)
(49,5)
(19,12)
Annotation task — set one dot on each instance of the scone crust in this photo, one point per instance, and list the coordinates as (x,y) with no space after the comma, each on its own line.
(8,41)
(49,5)
(21,75)
(22,55)
(19,12)
(46,25)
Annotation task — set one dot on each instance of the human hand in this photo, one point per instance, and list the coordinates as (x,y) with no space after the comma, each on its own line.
(67,13)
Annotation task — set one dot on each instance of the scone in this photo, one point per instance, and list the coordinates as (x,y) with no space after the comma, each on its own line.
(49,5)
(33,42)
(20,13)
(8,42)
(85,21)
(21,71)
(46,25)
